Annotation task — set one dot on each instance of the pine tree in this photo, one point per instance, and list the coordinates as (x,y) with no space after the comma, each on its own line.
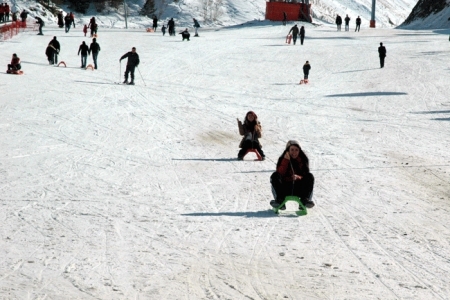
(148,9)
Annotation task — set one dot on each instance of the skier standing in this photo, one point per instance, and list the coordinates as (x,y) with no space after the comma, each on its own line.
(84,49)
(358,23)
(292,176)
(94,48)
(347,23)
(196,27)
(132,63)
(295,32)
(251,130)
(302,35)
(382,53)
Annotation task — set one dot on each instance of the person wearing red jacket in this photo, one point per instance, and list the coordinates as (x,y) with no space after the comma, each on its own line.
(15,63)
(292,176)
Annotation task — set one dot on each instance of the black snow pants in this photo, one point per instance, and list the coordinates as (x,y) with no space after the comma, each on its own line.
(302,188)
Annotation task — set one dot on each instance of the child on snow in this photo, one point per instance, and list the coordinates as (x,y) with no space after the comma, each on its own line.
(251,130)
(292,176)
(85,29)
(163,29)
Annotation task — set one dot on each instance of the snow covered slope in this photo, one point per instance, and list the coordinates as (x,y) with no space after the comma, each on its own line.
(389,13)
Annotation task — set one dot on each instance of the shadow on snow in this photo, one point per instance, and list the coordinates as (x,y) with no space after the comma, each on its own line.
(367,94)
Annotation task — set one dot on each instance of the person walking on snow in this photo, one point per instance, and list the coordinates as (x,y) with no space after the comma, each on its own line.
(57,48)
(306,68)
(85,28)
(67,22)
(251,130)
(347,23)
(84,49)
(295,32)
(382,53)
(60,19)
(171,25)
(72,18)
(292,176)
(338,22)
(196,27)
(302,35)
(94,48)
(132,63)
(358,24)
(163,29)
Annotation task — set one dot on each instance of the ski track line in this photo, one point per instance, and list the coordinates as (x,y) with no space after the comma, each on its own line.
(332,229)
(382,249)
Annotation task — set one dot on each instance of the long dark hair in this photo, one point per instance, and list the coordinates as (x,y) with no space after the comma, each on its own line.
(303,158)
(251,125)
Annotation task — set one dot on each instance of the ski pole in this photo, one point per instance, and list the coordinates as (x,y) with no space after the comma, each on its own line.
(120,70)
(141,76)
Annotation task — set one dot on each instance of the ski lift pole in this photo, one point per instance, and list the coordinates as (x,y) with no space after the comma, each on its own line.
(372,19)
(126,12)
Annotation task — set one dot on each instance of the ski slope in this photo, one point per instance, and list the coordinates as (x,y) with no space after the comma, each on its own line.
(110,191)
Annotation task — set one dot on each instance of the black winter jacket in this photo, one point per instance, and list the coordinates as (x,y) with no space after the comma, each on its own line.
(133,58)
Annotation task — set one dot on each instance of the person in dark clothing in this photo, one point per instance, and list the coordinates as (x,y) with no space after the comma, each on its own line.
(295,32)
(171,25)
(306,68)
(292,176)
(185,34)
(84,49)
(15,63)
(163,29)
(132,63)
(196,26)
(60,19)
(23,16)
(382,53)
(94,48)
(94,28)
(251,130)
(50,52)
(284,18)
(347,23)
(338,22)
(67,22)
(41,24)
(358,24)
(302,35)
(155,23)
(57,48)
(72,18)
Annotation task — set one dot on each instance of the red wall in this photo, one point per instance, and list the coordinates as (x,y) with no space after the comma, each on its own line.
(274,11)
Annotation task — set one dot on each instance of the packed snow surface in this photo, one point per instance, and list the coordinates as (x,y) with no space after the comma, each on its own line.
(110,191)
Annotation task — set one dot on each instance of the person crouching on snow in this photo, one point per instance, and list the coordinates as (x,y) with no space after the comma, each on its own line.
(185,34)
(292,176)
(15,63)
(251,130)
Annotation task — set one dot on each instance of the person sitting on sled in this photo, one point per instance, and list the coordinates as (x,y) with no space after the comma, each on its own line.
(251,130)
(185,34)
(292,176)
(15,63)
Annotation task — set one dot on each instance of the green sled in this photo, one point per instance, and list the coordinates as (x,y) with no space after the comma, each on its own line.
(301,212)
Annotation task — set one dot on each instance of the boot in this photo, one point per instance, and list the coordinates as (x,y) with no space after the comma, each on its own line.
(131,82)
(126,80)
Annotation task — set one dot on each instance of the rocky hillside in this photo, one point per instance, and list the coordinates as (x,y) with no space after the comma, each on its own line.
(429,14)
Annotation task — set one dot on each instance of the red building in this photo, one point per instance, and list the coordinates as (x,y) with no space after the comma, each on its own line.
(294,11)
